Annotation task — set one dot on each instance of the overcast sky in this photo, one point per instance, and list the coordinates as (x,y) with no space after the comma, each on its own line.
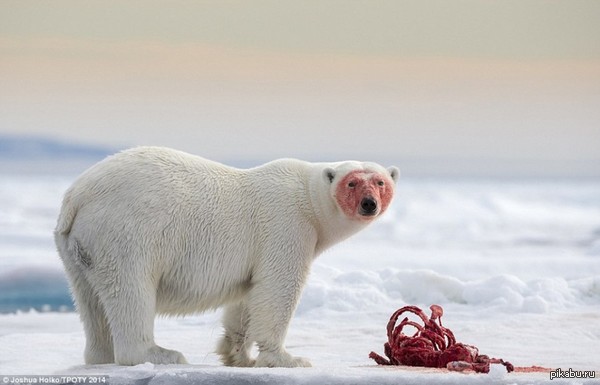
(486,87)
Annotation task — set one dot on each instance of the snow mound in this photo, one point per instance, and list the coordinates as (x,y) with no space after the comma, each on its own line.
(360,290)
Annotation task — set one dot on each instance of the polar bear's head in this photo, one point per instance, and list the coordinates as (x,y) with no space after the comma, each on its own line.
(362,191)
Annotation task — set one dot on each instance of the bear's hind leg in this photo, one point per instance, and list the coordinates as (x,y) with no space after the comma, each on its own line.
(234,347)
(98,340)
(131,314)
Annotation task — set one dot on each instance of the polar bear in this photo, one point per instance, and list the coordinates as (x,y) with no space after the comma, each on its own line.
(153,230)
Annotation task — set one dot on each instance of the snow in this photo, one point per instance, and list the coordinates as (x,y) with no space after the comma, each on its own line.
(515,264)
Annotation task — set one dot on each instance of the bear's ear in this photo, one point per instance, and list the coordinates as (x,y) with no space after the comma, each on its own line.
(394,173)
(329,174)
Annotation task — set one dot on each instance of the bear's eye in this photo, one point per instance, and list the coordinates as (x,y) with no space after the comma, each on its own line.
(352,184)
(380,183)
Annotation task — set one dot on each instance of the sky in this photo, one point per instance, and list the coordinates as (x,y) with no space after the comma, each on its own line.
(464,87)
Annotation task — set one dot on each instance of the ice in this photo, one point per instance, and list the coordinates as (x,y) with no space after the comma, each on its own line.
(514,264)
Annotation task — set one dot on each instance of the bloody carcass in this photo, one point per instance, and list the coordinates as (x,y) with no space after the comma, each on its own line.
(432,345)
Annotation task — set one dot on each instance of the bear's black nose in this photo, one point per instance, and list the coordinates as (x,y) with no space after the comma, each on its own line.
(368,206)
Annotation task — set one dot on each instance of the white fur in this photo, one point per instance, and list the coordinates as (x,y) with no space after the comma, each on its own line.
(153,230)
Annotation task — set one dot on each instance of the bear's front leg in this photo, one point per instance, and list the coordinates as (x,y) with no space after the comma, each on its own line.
(271,310)
(272,300)
(234,347)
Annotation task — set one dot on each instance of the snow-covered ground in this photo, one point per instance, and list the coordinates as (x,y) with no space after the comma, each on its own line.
(515,264)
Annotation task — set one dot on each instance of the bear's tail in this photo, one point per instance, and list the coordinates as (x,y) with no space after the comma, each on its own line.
(67,216)
(69,249)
